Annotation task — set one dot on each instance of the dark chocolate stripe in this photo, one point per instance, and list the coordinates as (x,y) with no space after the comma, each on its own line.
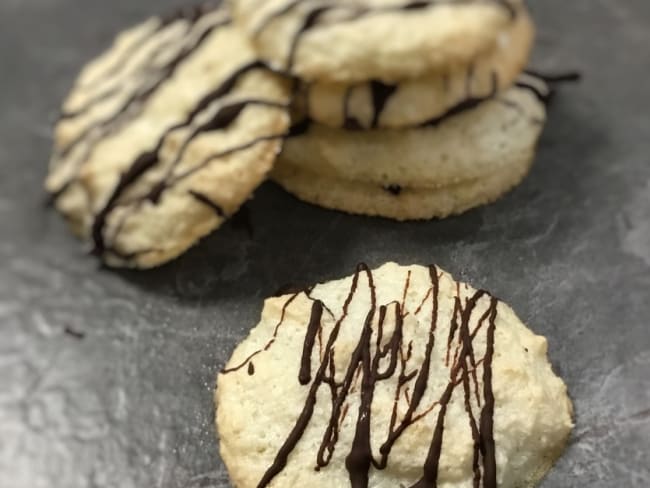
(487,414)
(564,77)
(310,339)
(381,93)
(464,106)
(208,202)
(545,98)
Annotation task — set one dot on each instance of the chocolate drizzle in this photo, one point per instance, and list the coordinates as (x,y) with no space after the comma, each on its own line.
(381,93)
(216,208)
(380,356)
(469,103)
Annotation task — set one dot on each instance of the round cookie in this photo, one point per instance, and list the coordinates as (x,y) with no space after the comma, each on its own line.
(400,376)
(356,40)
(408,103)
(165,136)
(471,141)
(396,202)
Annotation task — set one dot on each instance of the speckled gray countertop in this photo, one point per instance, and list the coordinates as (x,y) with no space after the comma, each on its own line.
(124,397)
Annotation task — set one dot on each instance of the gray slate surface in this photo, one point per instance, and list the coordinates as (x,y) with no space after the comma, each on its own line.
(129,404)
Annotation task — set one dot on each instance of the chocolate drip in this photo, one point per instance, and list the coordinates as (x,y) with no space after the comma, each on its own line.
(546,96)
(543,97)
(468,104)
(208,203)
(311,19)
(377,358)
(568,77)
(251,369)
(381,93)
(431,465)
(487,414)
(422,377)
(310,339)
(417,5)
(139,166)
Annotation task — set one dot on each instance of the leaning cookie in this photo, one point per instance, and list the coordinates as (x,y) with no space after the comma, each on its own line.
(474,140)
(356,40)
(400,376)
(407,103)
(165,136)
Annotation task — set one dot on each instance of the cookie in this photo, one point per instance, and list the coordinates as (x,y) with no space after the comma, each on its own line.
(396,202)
(165,136)
(400,376)
(357,40)
(375,104)
(473,140)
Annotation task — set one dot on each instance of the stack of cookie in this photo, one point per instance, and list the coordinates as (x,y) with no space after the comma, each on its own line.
(407,109)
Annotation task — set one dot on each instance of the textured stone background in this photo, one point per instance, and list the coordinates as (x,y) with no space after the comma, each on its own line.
(129,403)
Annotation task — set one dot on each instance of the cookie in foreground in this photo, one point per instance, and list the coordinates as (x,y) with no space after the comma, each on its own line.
(164,137)
(399,376)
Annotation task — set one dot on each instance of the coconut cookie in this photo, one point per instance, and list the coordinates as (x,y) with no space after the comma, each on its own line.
(165,136)
(396,377)
(474,140)
(357,40)
(407,103)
